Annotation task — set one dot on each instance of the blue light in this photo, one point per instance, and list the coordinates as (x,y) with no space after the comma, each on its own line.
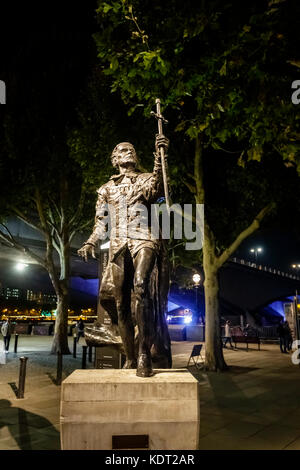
(169,317)
(188,319)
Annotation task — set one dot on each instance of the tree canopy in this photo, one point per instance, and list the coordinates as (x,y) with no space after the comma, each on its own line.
(226,68)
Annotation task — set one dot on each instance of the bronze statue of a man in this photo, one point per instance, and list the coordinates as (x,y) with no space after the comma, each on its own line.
(135,283)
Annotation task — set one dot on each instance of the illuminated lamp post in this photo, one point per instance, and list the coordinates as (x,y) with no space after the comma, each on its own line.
(21,266)
(296,267)
(256,252)
(197,280)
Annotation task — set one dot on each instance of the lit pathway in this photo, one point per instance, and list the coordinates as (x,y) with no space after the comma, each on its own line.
(256,405)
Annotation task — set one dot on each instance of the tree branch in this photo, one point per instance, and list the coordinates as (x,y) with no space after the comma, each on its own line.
(55,207)
(190,187)
(49,241)
(244,234)
(79,210)
(52,224)
(198,171)
(82,226)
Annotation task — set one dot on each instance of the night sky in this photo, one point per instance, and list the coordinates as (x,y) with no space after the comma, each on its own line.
(37,38)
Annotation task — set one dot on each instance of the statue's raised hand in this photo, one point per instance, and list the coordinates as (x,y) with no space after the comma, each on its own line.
(161,141)
(85,250)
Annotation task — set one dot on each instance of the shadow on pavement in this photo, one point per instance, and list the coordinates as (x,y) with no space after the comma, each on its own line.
(52,378)
(14,388)
(24,425)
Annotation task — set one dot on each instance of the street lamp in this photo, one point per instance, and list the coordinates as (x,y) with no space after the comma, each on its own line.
(21,266)
(197,280)
(256,251)
(296,267)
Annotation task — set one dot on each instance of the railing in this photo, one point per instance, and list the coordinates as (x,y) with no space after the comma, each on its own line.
(267,269)
(268,332)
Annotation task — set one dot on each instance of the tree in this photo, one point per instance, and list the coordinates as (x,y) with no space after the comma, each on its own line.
(224,71)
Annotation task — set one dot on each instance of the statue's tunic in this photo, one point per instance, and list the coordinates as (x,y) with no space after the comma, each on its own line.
(124,197)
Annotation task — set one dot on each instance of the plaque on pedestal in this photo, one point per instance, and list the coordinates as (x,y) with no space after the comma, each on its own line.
(109,357)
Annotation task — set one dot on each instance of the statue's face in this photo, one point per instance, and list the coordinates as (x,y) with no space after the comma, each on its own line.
(125,155)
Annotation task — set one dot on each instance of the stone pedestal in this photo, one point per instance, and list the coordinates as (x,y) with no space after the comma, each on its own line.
(115,409)
(2,352)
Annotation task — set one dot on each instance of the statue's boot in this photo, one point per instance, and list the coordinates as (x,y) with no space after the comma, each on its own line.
(144,366)
(130,364)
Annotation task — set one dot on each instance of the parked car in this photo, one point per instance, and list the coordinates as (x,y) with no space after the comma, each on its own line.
(180,316)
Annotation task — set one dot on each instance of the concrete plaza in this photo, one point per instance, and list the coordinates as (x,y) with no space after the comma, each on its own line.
(254,405)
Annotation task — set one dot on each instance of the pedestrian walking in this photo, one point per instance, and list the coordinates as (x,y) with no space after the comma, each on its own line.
(228,334)
(80,329)
(6,330)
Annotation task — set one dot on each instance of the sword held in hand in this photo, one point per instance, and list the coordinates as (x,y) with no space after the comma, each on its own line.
(160,120)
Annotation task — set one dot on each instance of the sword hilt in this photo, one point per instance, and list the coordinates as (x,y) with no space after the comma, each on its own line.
(159,116)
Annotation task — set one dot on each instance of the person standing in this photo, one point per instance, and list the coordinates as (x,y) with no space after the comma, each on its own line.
(6,330)
(228,334)
(288,340)
(281,334)
(80,329)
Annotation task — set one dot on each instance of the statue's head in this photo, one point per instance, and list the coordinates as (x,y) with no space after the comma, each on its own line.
(124,154)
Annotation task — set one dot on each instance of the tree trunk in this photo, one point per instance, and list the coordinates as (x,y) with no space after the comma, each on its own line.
(214,359)
(60,339)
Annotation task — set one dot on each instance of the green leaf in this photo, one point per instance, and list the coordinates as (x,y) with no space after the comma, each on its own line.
(223,70)
(203,126)
(114,64)
(255,153)
(106,7)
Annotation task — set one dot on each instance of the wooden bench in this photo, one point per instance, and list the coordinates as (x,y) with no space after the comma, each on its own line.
(246,339)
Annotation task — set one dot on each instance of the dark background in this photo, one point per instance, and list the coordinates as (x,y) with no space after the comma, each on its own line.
(56,38)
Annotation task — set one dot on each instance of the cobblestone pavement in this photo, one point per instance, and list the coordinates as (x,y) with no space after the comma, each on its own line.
(254,405)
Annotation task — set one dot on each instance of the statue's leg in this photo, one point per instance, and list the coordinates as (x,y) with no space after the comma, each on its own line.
(144,263)
(123,278)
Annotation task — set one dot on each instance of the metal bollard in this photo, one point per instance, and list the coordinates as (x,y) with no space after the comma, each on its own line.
(84,348)
(16,342)
(22,377)
(74,346)
(59,368)
(90,353)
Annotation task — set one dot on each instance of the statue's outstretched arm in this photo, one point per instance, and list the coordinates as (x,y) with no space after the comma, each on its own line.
(99,229)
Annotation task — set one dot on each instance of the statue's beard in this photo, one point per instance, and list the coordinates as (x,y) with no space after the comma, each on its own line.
(127,161)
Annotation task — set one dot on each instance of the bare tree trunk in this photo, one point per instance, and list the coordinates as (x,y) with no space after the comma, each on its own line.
(214,359)
(60,339)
